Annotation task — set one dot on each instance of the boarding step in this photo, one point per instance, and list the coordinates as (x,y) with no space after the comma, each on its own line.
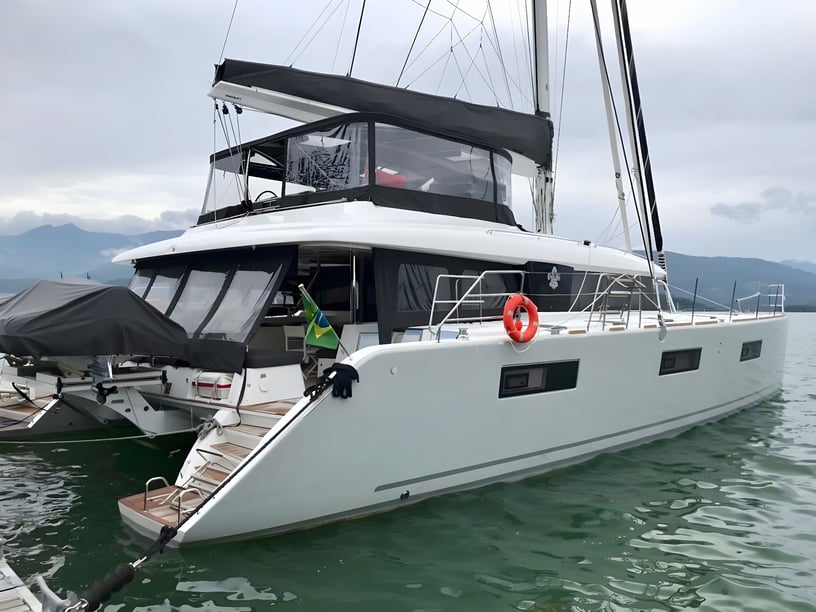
(245,434)
(280,407)
(207,478)
(231,450)
(156,505)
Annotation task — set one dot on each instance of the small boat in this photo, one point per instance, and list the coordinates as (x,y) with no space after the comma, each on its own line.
(60,373)
(444,346)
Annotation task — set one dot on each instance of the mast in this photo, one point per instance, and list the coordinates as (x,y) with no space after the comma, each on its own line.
(610,123)
(637,132)
(543,191)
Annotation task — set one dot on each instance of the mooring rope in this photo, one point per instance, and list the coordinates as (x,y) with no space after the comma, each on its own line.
(89,440)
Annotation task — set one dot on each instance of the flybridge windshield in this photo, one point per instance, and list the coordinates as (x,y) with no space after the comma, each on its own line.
(355,159)
(214,296)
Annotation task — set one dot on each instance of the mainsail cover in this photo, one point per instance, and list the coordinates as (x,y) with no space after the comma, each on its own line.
(53,318)
(527,134)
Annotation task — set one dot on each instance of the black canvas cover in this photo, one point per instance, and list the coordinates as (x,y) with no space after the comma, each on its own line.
(527,134)
(53,318)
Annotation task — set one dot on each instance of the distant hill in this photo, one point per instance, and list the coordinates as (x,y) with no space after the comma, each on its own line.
(49,251)
(801,264)
(717,276)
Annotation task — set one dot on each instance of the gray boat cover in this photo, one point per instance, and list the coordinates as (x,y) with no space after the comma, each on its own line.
(53,318)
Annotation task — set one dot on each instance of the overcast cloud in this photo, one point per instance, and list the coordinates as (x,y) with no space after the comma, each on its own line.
(106,122)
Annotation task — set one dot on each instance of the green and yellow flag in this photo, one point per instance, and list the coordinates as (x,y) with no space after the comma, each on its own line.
(319,331)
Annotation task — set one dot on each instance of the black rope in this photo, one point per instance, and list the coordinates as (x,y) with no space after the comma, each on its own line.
(22,394)
(101,590)
(357,38)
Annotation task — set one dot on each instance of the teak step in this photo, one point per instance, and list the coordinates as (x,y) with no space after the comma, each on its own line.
(232,450)
(22,408)
(210,474)
(252,430)
(279,408)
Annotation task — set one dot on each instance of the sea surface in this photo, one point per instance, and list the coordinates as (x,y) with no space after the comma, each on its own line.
(722,517)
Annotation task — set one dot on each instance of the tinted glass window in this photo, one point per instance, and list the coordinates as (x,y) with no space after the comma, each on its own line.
(140,281)
(197,298)
(164,288)
(241,305)
(417,161)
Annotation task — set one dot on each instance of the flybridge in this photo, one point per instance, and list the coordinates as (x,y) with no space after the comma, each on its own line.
(312,96)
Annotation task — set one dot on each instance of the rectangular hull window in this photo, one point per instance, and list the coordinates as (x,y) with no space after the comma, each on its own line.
(674,362)
(538,378)
(751,350)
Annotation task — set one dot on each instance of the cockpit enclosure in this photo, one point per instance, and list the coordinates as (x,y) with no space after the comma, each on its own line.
(218,298)
(361,157)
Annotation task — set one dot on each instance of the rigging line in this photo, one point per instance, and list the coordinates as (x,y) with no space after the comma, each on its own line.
(530,64)
(487,70)
(229,146)
(467,72)
(413,42)
(557,46)
(340,38)
(461,10)
(444,70)
(448,21)
(507,76)
(445,54)
(229,27)
(608,85)
(517,56)
(561,100)
(459,68)
(501,56)
(320,29)
(357,39)
(472,59)
(306,33)
(521,66)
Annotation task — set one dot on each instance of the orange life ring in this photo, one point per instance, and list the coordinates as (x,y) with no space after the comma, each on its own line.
(512,323)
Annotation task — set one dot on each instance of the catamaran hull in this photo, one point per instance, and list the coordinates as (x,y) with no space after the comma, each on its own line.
(426,419)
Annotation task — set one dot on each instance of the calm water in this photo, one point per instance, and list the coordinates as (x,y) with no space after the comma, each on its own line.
(721,518)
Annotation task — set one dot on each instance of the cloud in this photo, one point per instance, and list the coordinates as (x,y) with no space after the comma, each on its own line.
(128,225)
(777,199)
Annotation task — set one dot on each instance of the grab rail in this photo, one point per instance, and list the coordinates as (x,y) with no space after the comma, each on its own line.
(479,297)
(147,487)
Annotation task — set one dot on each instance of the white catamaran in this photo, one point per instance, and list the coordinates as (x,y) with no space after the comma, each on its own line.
(471,351)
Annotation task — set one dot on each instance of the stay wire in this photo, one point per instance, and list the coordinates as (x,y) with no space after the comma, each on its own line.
(229,28)
(340,38)
(499,52)
(357,38)
(305,34)
(413,42)
(316,32)
(561,100)
(608,84)
(445,55)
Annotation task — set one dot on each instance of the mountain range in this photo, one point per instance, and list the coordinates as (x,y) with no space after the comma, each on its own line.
(49,252)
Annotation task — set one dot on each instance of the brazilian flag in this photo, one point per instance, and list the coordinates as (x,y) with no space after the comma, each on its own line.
(319,331)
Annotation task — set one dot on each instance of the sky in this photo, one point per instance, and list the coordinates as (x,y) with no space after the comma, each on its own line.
(106,122)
